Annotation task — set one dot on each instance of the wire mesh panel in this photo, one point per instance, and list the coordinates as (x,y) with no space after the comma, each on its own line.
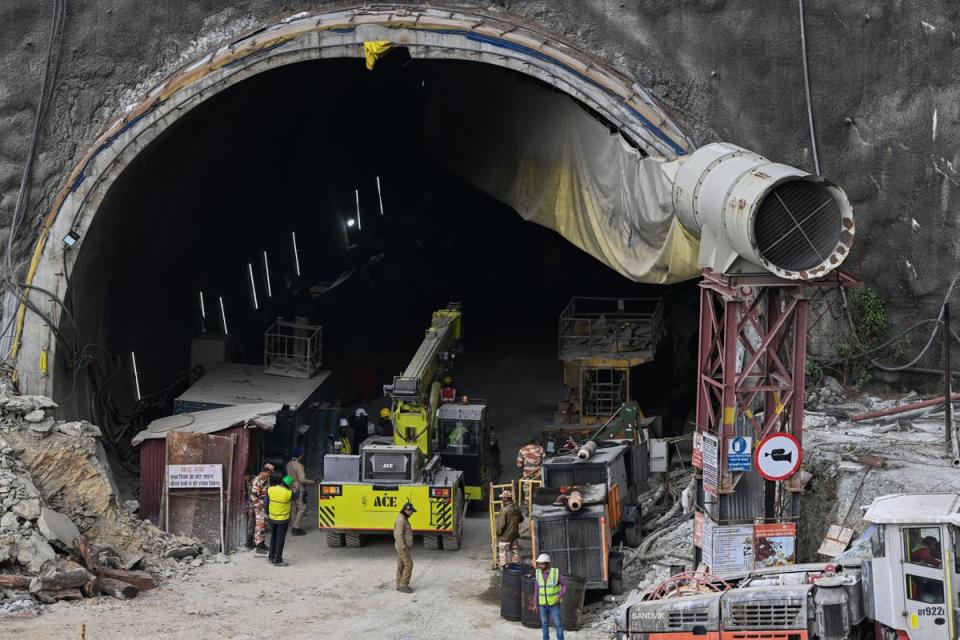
(575,545)
(292,349)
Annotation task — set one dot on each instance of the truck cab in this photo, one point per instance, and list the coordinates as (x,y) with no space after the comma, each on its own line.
(912,580)
(463,442)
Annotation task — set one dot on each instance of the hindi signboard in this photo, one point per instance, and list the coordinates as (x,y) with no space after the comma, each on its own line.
(697,449)
(732,549)
(194,476)
(775,545)
(739,456)
(711,464)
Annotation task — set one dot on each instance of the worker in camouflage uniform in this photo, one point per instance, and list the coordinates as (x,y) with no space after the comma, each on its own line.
(508,530)
(248,477)
(258,491)
(530,458)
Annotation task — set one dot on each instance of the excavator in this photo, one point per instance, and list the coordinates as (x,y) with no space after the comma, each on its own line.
(437,459)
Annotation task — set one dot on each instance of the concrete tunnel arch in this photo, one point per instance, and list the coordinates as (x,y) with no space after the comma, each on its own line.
(429,33)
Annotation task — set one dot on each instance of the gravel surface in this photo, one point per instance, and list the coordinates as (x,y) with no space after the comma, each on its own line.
(325,592)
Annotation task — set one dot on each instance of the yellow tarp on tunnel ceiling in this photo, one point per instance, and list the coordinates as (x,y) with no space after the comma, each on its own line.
(373,50)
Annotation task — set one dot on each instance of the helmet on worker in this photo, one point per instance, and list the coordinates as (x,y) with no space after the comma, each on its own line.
(408,506)
(448,381)
(384,413)
(344,423)
(543,558)
(360,412)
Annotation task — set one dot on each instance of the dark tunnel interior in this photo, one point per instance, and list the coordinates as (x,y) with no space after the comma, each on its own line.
(286,154)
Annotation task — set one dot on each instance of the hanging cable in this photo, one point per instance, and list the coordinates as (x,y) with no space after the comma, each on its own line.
(806,88)
(46,88)
(923,352)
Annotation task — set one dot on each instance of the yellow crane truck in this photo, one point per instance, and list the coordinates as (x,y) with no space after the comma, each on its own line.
(362,494)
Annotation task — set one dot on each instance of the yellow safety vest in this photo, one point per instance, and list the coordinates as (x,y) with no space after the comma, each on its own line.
(279,508)
(346,449)
(549,589)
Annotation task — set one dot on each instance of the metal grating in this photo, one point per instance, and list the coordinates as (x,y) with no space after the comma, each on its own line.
(574,546)
(798,225)
(776,615)
(380,465)
(687,617)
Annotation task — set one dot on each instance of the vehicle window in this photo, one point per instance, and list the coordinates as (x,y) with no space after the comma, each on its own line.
(459,436)
(878,547)
(924,589)
(922,546)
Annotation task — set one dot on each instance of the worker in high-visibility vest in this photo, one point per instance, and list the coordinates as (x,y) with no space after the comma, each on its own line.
(551,587)
(279,497)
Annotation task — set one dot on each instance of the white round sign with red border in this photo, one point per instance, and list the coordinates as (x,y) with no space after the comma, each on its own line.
(778,456)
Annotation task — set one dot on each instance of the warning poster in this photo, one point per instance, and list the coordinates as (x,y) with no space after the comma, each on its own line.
(697,450)
(732,549)
(711,464)
(775,545)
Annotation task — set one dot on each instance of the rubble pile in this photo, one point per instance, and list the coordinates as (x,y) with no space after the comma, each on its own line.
(56,492)
(853,461)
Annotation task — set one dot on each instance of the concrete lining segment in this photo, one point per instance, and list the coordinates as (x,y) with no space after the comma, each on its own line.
(428,33)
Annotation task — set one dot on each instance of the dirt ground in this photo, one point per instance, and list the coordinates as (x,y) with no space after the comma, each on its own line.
(341,593)
(325,592)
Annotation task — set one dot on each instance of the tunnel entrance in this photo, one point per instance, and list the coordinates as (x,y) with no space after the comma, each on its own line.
(312,191)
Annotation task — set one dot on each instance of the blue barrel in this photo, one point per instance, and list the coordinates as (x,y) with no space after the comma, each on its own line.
(510,591)
(529,611)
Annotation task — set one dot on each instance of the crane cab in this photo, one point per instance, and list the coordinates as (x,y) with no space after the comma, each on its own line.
(463,442)
(912,581)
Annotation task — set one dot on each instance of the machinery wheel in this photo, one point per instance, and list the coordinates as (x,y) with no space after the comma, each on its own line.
(354,540)
(632,536)
(431,542)
(335,540)
(451,542)
(616,586)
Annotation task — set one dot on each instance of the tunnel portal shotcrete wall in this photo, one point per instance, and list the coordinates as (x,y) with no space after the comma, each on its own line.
(883,82)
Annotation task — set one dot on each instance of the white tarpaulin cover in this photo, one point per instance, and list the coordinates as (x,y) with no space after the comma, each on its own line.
(556,164)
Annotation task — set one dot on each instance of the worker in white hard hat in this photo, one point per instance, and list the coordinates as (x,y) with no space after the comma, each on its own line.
(360,426)
(346,437)
(551,587)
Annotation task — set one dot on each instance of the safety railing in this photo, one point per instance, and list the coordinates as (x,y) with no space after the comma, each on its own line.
(609,326)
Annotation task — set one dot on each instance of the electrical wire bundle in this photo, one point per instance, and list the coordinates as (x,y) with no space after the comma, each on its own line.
(102,367)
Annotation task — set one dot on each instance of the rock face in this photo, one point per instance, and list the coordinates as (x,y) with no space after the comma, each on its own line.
(20,540)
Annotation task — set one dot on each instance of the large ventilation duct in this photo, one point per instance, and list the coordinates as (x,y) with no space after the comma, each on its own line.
(748,209)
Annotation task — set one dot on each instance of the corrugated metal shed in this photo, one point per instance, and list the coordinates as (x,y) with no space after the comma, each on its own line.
(246,423)
(260,416)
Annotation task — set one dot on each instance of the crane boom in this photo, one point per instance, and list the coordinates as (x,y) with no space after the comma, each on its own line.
(415,394)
